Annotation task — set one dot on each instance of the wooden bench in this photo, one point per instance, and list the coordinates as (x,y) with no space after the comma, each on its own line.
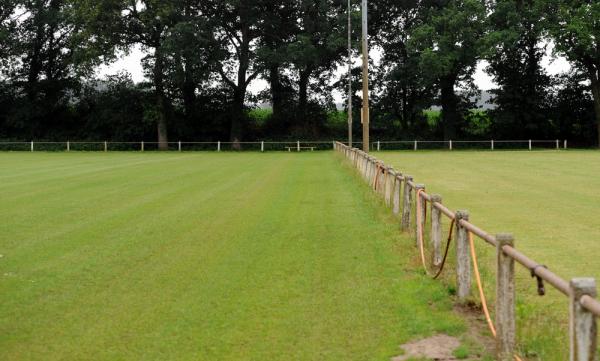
(300,148)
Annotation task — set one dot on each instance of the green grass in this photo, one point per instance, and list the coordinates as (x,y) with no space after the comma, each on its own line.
(549,200)
(131,256)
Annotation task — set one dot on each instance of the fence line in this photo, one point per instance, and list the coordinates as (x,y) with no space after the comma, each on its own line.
(263,146)
(400,189)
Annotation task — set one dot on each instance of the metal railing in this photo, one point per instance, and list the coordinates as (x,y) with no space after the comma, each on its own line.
(491,144)
(180,146)
(401,193)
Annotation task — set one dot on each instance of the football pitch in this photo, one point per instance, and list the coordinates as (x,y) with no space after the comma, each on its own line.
(204,256)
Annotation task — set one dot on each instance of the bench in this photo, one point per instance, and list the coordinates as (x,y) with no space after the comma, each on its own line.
(300,148)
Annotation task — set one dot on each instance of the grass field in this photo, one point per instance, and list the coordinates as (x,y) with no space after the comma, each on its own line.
(549,200)
(126,256)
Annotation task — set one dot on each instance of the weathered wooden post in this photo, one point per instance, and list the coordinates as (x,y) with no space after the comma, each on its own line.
(505,300)
(582,324)
(492,144)
(416,146)
(68,146)
(378,146)
(530,144)
(219,146)
(419,207)
(463,258)
(389,185)
(396,194)
(142,146)
(32,146)
(179,145)
(436,230)
(557,144)
(406,206)
(450,145)
(298,145)
(105,146)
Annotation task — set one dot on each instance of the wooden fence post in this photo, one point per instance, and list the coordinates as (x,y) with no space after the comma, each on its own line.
(450,145)
(142,146)
(530,144)
(397,193)
(492,144)
(420,202)
(32,146)
(582,325)
(105,146)
(436,230)
(416,146)
(378,146)
(68,146)
(463,257)
(298,145)
(406,206)
(505,300)
(389,174)
(262,146)
(179,145)
(219,146)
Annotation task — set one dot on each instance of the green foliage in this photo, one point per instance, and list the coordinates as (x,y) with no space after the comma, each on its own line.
(461,353)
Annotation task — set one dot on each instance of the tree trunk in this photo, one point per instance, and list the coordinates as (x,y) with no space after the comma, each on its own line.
(596,93)
(276,92)
(161,101)
(303,99)
(449,101)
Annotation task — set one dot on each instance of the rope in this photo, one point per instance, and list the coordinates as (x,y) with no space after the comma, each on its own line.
(421,237)
(480,287)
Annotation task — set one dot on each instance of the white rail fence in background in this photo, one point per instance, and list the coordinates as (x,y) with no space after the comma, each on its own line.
(288,146)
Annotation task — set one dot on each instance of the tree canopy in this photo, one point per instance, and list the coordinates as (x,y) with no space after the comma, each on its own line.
(202,57)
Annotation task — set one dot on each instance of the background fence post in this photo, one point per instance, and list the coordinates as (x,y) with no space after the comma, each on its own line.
(557,144)
(32,146)
(262,146)
(420,202)
(565,144)
(142,146)
(298,145)
(406,206)
(530,144)
(179,145)
(436,230)
(397,192)
(218,146)
(68,146)
(463,258)
(492,144)
(582,325)
(416,146)
(450,145)
(505,300)
(378,146)
(105,146)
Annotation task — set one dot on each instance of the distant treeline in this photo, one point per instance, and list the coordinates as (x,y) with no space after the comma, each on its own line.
(204,54)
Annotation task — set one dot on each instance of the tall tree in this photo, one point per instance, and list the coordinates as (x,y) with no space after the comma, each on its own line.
(318,47)
(403,90)
(449,43)
(575,29)
(515,55)
(236,27)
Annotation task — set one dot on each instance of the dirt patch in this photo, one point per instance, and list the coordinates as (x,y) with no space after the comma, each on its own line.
(438,347)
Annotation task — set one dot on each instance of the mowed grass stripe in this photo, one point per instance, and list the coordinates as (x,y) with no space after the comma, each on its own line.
(208,257)
(548,199)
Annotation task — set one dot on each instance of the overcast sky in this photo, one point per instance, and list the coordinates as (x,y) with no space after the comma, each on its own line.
(132,64)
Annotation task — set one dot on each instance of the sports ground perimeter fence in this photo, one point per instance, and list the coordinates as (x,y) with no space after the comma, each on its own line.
(269,146)
(403,195)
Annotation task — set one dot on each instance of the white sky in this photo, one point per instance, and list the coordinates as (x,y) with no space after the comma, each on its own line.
(132,64)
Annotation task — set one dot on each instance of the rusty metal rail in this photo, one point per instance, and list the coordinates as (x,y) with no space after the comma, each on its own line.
(582,292)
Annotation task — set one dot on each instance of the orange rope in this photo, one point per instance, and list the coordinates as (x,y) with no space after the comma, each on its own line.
(480,287)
